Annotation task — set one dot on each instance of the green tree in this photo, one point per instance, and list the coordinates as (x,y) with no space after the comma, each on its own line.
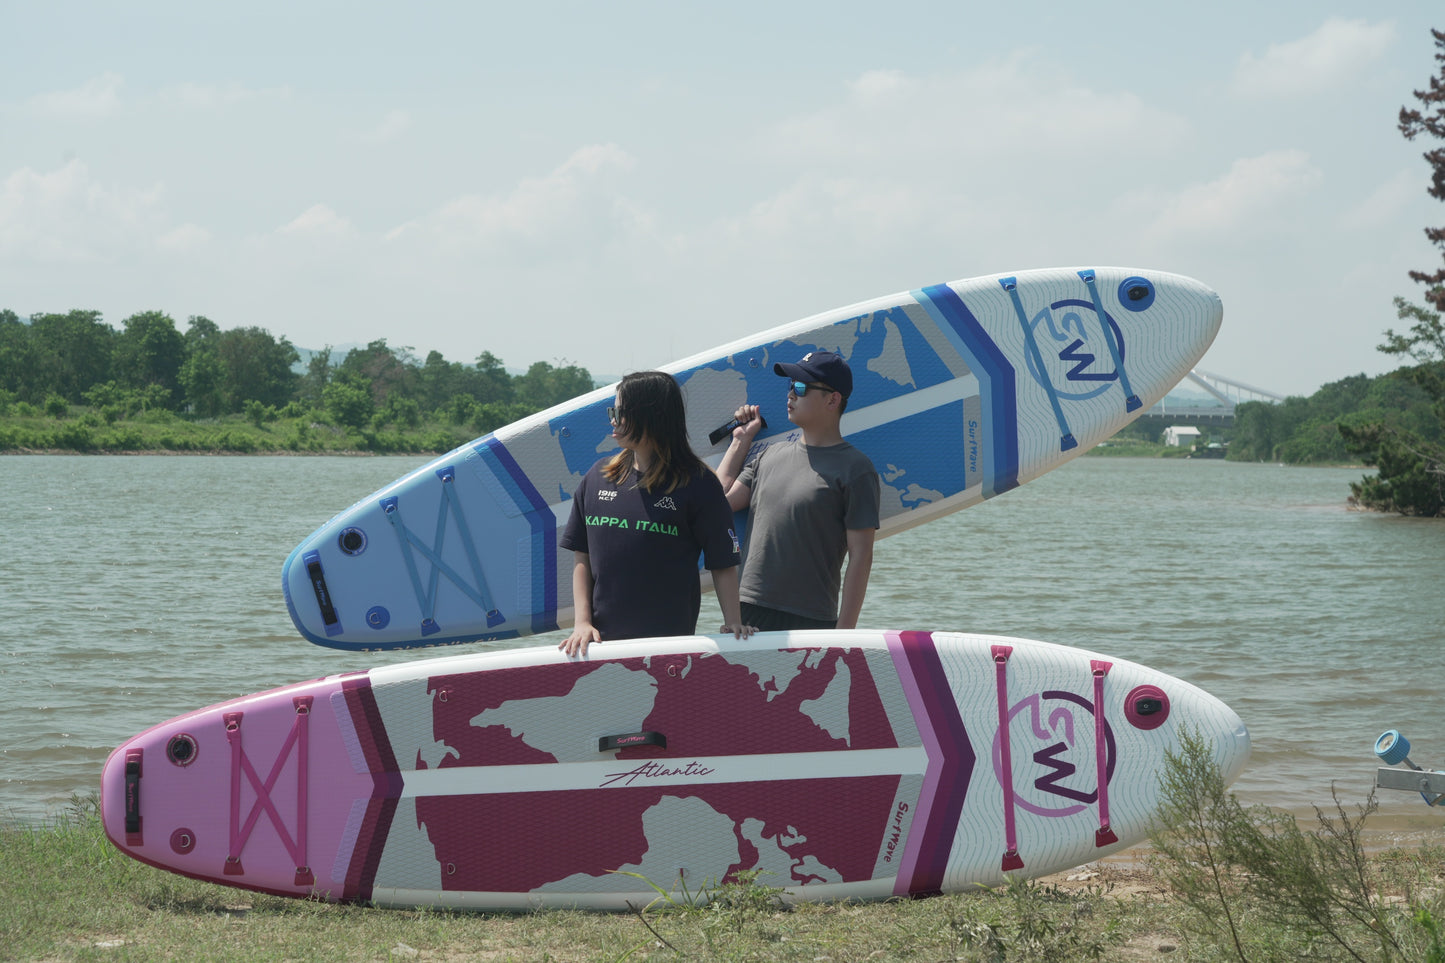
(1261,429)
(202,373)
(493,384)
(21,371)
(544,385)
(73,351)
(150,351)
(257,367)
(347,400)
(386,370)
(1411,465)
(317,376)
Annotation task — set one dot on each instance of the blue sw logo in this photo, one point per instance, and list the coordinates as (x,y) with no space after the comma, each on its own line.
(1085,373)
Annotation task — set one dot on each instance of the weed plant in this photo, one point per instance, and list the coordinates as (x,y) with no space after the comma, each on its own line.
(1258,887)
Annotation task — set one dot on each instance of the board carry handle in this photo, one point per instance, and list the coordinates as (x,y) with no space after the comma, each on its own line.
(314,572)
(132,797)
(629,739)
(1131,400)
(1104,835)
(1067,441)
(719,433)
(1011,859)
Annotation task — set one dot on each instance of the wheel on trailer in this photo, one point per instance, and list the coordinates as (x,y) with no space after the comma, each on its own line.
(1392,747)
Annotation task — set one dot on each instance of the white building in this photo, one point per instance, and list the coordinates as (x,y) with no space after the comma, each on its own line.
(1180,435)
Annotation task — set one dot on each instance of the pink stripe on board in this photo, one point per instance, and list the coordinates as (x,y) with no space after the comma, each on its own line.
(950,763)
(914,844)
(386,788)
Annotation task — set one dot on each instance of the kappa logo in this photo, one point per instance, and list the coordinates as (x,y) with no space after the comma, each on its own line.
(603,495)
(665,502)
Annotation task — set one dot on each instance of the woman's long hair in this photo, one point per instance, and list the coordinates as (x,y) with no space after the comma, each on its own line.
(652,411)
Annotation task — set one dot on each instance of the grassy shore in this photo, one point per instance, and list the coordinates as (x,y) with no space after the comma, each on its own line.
(67,894)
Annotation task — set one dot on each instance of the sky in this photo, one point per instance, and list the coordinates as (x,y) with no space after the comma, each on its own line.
(621,185)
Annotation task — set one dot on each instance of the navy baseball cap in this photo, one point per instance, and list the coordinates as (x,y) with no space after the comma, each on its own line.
(824,367)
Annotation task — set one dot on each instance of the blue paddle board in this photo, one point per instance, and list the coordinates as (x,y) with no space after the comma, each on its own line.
(961,392)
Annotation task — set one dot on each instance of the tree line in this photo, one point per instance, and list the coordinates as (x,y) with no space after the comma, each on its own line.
(53,363)
(1312,430)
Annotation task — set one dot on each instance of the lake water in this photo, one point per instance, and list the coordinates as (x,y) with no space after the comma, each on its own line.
(133,589)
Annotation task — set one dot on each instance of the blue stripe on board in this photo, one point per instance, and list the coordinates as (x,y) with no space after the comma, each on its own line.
(997,390)
(544,527)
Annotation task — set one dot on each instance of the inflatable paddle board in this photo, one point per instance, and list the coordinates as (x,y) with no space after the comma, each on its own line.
(961,391)
(841,764)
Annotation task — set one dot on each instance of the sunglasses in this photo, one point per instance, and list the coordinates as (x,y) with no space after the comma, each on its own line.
(615,414)
(800,388)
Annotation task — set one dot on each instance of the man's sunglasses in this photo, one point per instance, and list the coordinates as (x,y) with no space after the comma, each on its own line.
(800,388)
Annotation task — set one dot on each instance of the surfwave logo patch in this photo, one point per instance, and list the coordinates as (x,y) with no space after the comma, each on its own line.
(1085,364)
(1055,760)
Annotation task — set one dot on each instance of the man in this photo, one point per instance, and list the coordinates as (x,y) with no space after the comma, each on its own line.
(814,501)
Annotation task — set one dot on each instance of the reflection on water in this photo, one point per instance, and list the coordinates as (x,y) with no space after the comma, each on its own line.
(133,589)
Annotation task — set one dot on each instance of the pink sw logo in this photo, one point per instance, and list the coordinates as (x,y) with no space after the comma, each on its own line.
(1053,752)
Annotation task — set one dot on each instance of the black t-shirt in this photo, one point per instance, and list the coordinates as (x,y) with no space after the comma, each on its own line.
(643,548)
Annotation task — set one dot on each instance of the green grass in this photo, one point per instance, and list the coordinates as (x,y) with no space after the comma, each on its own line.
(67,894)
(1283,893)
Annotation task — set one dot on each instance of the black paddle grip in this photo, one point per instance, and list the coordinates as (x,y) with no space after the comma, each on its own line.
(718,434)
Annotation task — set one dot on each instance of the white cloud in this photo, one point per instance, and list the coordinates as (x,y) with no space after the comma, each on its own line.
(212,96)
(1249,194)
(100,95)
(1387,201)
(1015,120)
(875,85)
(816,210)
(67,216)
(317,221)
(186,237)
(392,126)
(574,203)
(1331,57)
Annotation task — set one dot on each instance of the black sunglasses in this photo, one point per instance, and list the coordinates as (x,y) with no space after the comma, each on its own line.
(614,414)
(800,388)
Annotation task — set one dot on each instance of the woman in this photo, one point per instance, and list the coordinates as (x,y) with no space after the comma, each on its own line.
(639,520)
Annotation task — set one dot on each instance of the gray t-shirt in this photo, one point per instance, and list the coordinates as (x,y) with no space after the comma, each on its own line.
(804,500)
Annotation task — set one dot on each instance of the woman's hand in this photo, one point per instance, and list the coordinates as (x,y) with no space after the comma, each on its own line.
(583,635)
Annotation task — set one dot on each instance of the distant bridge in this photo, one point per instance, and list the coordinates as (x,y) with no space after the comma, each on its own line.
(1229,393)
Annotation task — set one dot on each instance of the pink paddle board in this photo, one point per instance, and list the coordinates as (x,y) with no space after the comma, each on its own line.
(840,764)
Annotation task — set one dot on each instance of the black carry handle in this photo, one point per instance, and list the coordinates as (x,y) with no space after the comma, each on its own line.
(318,585)
(132,794)
(719,434)
(630,739)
